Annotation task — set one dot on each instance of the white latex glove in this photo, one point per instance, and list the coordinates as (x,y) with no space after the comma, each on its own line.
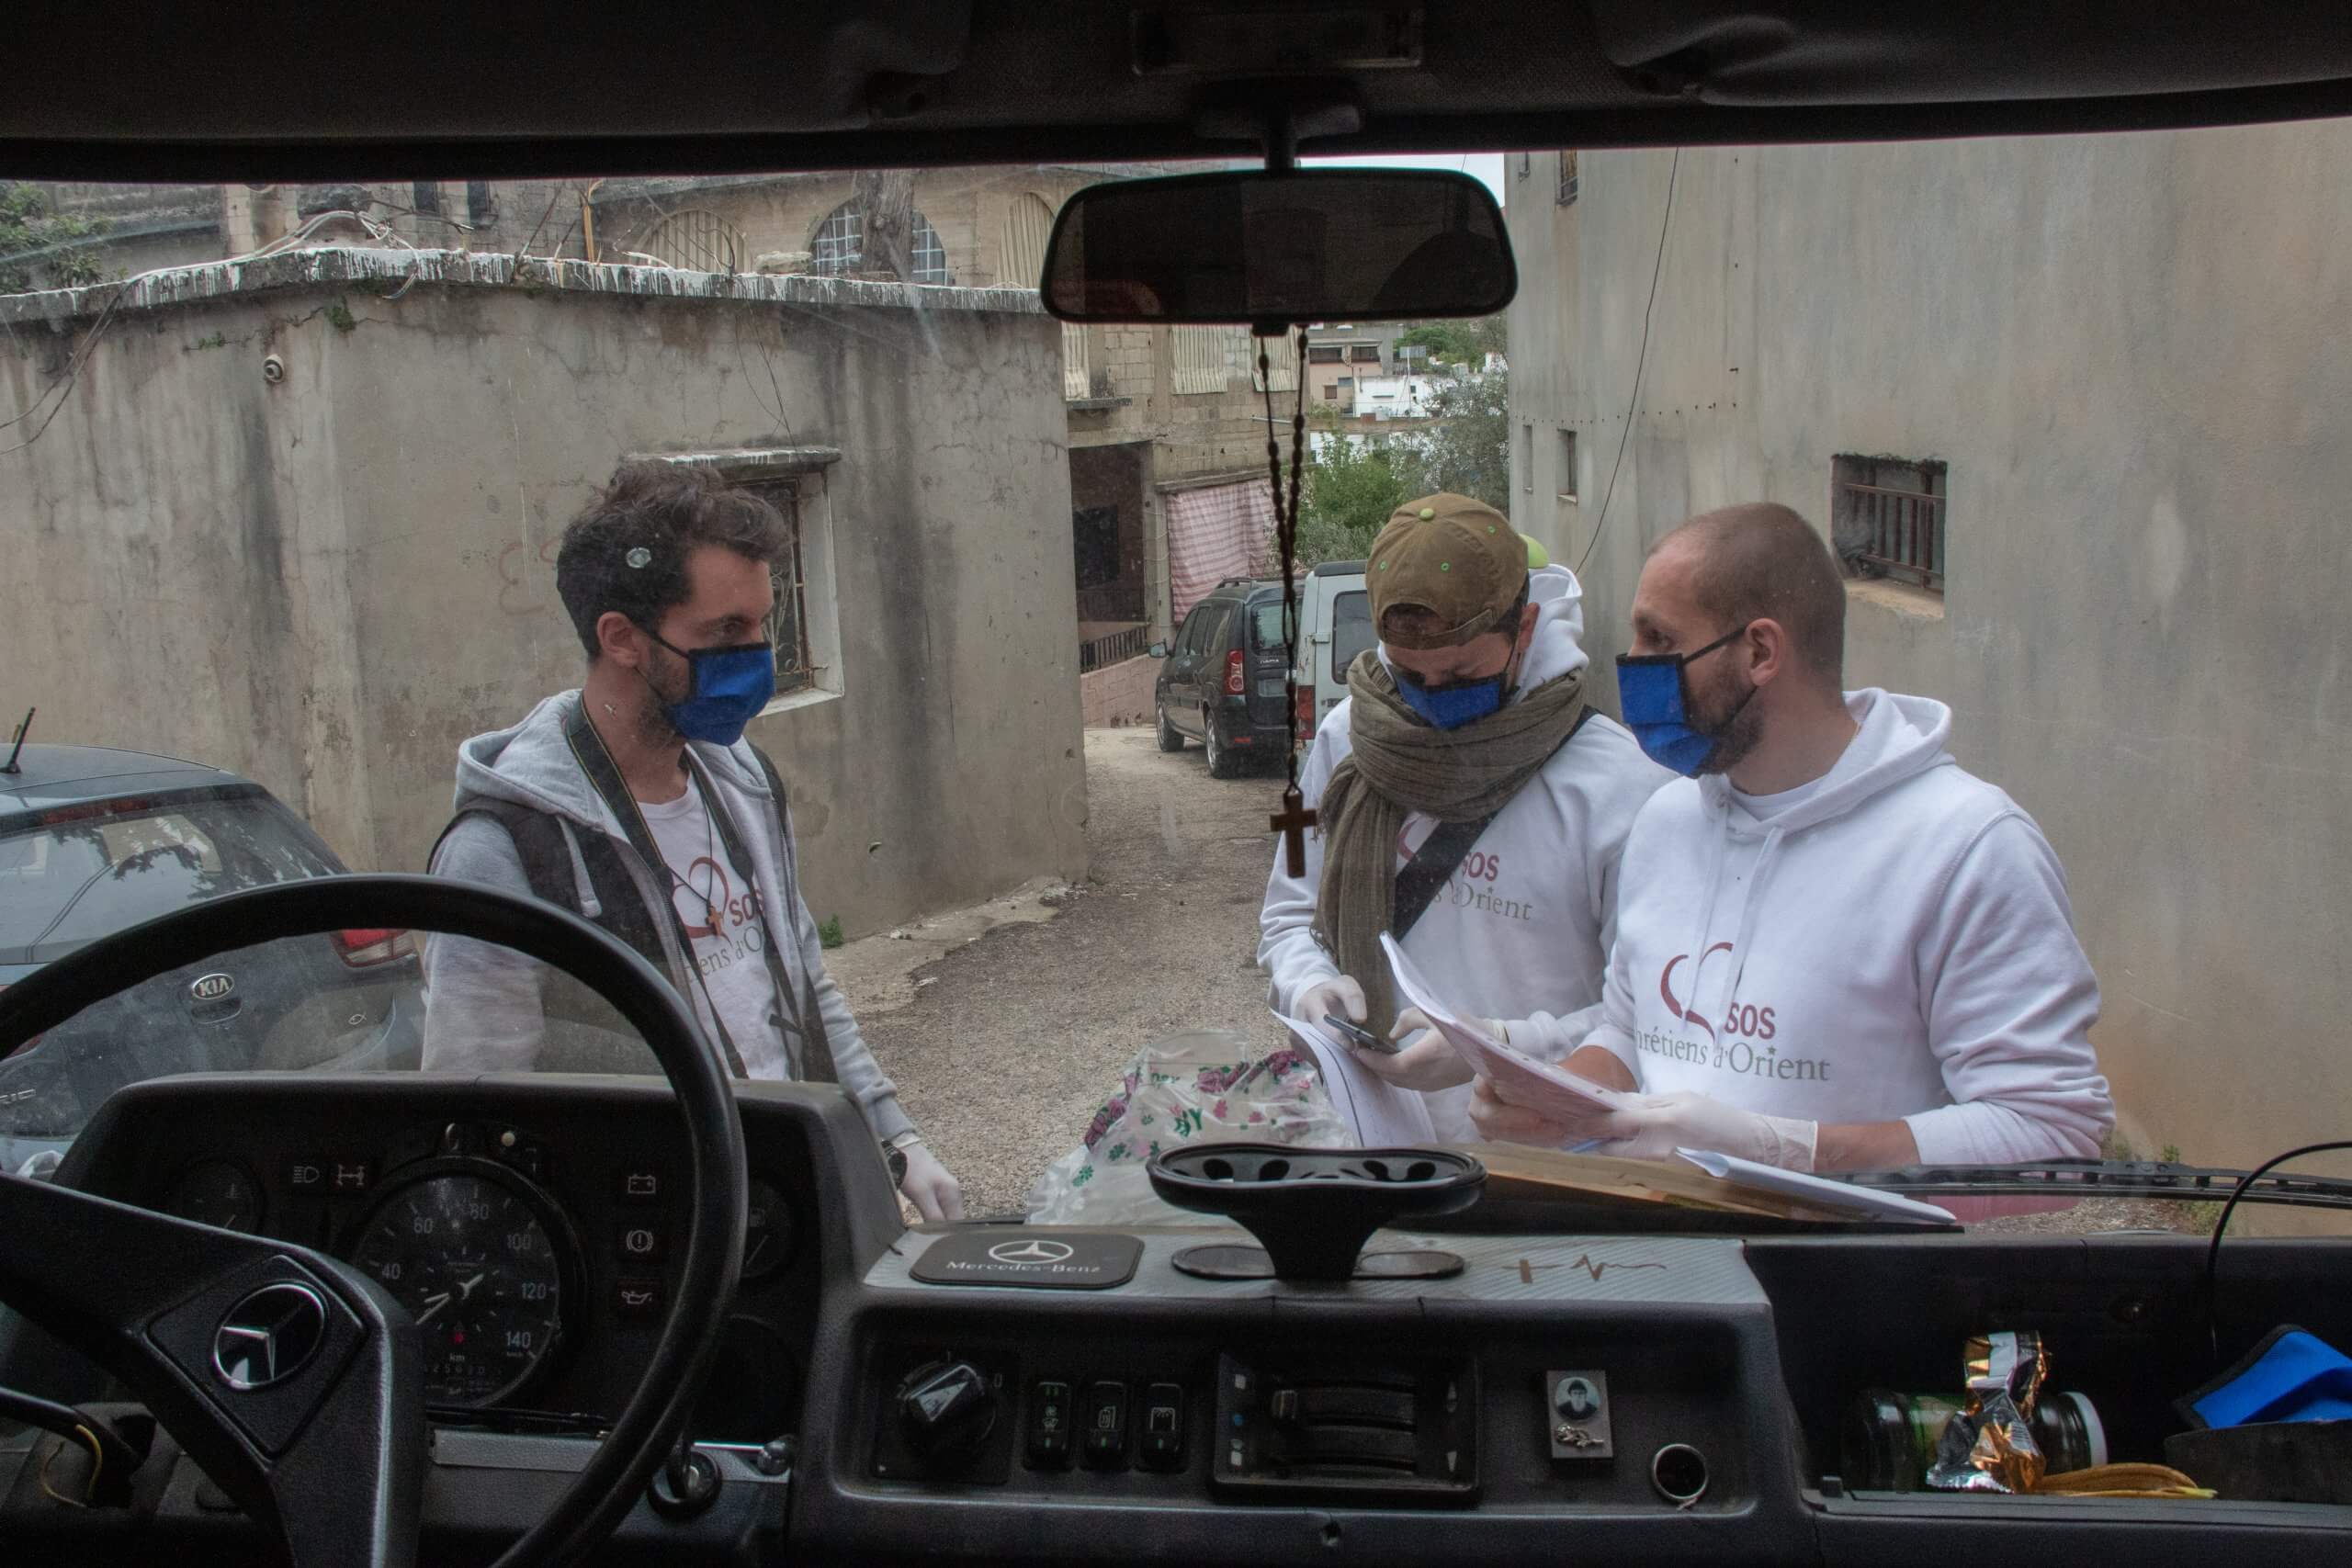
(1426,1063)
(1654,1125)
(935,1194)
(1337,995)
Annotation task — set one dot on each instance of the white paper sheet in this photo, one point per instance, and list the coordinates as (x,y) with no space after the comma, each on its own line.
(1821,1191)
(1522,1079)
(1384,1116)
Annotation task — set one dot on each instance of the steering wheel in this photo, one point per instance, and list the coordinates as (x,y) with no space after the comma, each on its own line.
(330,1453)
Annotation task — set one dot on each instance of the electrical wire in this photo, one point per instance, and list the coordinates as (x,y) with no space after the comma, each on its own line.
(1641,358)
(97,1468)
(74,1426)
(2221,1224)
(63,388)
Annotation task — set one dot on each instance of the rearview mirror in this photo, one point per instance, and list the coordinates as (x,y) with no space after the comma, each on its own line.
(1253,248)
(1158,650)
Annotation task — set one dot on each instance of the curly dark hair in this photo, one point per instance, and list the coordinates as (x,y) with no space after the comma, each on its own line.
(667,510)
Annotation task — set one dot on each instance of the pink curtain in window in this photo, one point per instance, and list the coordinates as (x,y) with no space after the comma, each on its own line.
(1213,533)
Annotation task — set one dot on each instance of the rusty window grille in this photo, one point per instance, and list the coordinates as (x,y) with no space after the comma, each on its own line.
(1568,177)
(787,623)
(1889,520)
(1116,648)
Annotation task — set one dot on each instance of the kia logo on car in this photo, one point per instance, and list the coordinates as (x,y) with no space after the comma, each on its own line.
(1033,1251)
(212,987)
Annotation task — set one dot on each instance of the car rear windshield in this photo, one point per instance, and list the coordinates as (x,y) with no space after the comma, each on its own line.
(1266,626)
(67,883)
(1351,629)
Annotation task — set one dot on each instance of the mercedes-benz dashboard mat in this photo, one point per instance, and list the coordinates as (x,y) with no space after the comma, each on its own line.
(1045,1260)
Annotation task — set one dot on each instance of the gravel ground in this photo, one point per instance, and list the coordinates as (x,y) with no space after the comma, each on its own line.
(1004,1047)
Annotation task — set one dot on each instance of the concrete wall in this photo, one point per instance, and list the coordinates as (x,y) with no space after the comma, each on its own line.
(328,583)
(1120,695)
(2129,351)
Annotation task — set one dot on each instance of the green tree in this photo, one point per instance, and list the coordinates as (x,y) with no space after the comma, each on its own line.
(1467,448)
(1457,342)
(1348,492)
(1447,342)
(31,235)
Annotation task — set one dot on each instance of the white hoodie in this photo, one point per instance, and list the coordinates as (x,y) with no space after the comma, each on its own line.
(1524,925)
(1892,939)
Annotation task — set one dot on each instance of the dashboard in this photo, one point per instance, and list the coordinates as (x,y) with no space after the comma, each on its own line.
(987,1392)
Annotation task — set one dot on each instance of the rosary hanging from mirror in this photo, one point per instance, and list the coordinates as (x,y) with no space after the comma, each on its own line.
(1294,820)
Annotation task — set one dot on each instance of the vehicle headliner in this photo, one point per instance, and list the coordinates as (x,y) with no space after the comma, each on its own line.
(168,92)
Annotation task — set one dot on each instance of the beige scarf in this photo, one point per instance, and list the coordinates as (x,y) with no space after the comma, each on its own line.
(1401,763)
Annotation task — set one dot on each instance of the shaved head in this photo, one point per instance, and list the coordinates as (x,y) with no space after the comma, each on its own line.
(1762,561)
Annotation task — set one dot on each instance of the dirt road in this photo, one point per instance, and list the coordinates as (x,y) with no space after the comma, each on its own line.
(1004,1047)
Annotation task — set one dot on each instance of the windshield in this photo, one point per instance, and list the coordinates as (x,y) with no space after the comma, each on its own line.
(90,869)
(1849,658)
(1351,629)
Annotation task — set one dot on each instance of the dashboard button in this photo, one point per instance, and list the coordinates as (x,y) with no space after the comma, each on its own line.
(1049,1424)
(1161,1446)
(642,1242)
(1104,1419)
(638,1301)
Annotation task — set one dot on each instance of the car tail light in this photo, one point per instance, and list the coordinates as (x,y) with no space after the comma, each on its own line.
(1235,681)
(365,948)
(1303,716)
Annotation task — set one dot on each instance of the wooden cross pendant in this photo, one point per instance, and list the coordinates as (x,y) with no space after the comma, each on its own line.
(1291,822)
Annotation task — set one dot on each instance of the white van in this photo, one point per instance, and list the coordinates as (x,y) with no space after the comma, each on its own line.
(1334,626)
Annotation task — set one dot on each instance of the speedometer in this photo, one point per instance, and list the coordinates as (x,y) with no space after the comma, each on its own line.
(470,1250)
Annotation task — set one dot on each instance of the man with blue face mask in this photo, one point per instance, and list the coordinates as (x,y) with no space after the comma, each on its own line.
(1469,802)
(1837,950)
(637,802)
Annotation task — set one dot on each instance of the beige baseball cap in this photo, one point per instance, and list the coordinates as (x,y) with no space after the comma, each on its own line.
(1457,559)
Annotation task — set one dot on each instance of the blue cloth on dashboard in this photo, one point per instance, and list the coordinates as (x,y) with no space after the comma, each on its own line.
(2291,1376)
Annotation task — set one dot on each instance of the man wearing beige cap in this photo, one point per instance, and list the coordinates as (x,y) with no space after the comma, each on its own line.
(1468,801)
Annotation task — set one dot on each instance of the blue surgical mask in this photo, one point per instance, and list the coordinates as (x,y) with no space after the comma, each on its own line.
(1453,706)
(727,688)
(1656,697)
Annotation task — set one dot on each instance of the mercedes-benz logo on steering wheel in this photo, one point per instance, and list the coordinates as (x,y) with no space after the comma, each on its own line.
(269,1335)
(1034,1251)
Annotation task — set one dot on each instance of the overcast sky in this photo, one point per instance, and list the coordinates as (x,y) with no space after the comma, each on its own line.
(1488,166)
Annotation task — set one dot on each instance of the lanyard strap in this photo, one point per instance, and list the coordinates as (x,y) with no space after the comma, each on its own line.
(605,777)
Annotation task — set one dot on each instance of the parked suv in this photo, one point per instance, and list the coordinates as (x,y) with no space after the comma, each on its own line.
(92,840)
(1221,683)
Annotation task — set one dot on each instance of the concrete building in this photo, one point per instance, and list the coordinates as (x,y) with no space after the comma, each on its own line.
(1155,414)
(2071,409)
(1397,397)
(1341,357)
(1165,426)
(299,517)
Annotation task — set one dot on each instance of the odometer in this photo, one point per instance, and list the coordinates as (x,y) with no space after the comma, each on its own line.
(471,1253)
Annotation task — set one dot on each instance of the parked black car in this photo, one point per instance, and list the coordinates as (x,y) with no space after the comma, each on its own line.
(94,840)
(1221,683)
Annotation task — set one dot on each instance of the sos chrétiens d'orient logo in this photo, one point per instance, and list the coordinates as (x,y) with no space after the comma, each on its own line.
(1745,1019)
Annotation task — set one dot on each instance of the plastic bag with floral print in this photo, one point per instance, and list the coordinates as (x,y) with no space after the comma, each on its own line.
(1210,1086)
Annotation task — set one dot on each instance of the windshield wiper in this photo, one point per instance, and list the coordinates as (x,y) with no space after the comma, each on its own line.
(2106,1178)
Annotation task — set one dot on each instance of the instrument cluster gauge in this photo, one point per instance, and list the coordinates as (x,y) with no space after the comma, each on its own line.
(217,1192)
(768,1227)
(484,1263)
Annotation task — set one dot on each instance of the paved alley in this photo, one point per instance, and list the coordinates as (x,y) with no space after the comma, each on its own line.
(1004,1047)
